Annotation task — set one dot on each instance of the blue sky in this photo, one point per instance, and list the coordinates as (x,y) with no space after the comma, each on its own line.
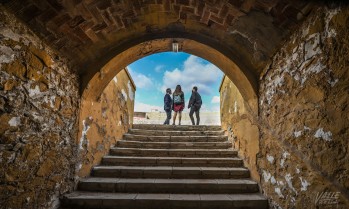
(154,73)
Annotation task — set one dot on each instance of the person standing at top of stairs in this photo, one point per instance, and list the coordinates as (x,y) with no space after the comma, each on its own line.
(195,103)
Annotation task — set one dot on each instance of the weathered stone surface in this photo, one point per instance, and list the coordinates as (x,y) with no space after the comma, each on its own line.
(303,114)
(252,30)
(37,145)
(102,123)
(240,124)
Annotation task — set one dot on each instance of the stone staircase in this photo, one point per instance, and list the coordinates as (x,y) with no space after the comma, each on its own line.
(167,167)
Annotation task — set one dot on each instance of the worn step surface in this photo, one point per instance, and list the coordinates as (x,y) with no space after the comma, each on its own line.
(175,145)
(171,161)
(170,172)
(146,138)
(175,186)
(169,167)
(120,151)
(176,127)
(164,200)
(174,133)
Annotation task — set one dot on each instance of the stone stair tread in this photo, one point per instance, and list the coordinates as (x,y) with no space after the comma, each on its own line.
(176,150)
(171,158)
(185,136)
(177,127)
(170,172)
(165,200)
(176,131)
(166,181)
(162,152)
(174,142)
(171,168)
(149,144)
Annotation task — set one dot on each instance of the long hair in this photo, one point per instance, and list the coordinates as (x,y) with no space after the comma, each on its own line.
(178,89)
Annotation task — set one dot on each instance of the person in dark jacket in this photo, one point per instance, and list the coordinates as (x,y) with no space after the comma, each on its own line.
(195,103)
(168,106)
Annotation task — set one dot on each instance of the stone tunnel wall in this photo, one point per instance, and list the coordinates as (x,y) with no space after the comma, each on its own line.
(304,115)
(102,123)
(39,103)
(237,119)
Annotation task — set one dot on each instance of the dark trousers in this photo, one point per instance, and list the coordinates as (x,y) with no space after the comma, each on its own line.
(197,115)
(168,118)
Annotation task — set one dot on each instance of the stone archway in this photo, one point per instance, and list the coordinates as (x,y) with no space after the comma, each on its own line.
(218,55)
(104,70)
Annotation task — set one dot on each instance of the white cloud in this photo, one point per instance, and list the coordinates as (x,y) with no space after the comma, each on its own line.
(141,107)
(159,68)
(142,81)
(195,73)
(215,100)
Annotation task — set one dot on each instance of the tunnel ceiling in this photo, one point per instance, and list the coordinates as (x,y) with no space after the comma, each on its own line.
(87,30)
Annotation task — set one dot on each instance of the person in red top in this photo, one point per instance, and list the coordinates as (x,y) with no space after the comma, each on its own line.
(178,104)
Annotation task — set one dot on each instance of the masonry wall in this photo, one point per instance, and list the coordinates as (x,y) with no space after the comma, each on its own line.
(304,115)
(102,123)
(240,125)
(39,103)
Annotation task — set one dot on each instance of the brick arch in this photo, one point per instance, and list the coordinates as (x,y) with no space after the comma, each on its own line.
(86,30)
(102,72)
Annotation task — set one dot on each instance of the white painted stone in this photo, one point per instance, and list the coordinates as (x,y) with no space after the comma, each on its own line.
(278,191)
(330,32)
(297,133)
(15,121)
(34,92)
(327,136)
(266,176)
(270,159)
(130,91)
(124,94)
(84,131)
(7,55)
(304,183)
(273,180)
(288,179)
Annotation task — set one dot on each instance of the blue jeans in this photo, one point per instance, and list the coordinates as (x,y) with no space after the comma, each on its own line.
(168,118)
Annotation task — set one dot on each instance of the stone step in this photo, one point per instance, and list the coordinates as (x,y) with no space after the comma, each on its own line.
(176,127)
(146,138)
(174,133)
(171,161)
(173,152)
(170,172)
(168,201)
(174,145)
(173,186)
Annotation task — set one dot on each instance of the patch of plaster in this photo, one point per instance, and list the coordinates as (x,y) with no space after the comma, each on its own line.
(266,176)
(330,32)
(297,134)
(34,92)
(273,180)
(327,136)
(130,91)
(7,55)
(288,179)
(270,159)
(124,94)
(115,79)
(283,159)
(83,139)
(235,107)
(304,183)
(15,121)
(278,191)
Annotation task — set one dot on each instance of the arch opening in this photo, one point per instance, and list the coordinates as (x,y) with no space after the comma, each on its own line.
(97,79)
(102,71)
